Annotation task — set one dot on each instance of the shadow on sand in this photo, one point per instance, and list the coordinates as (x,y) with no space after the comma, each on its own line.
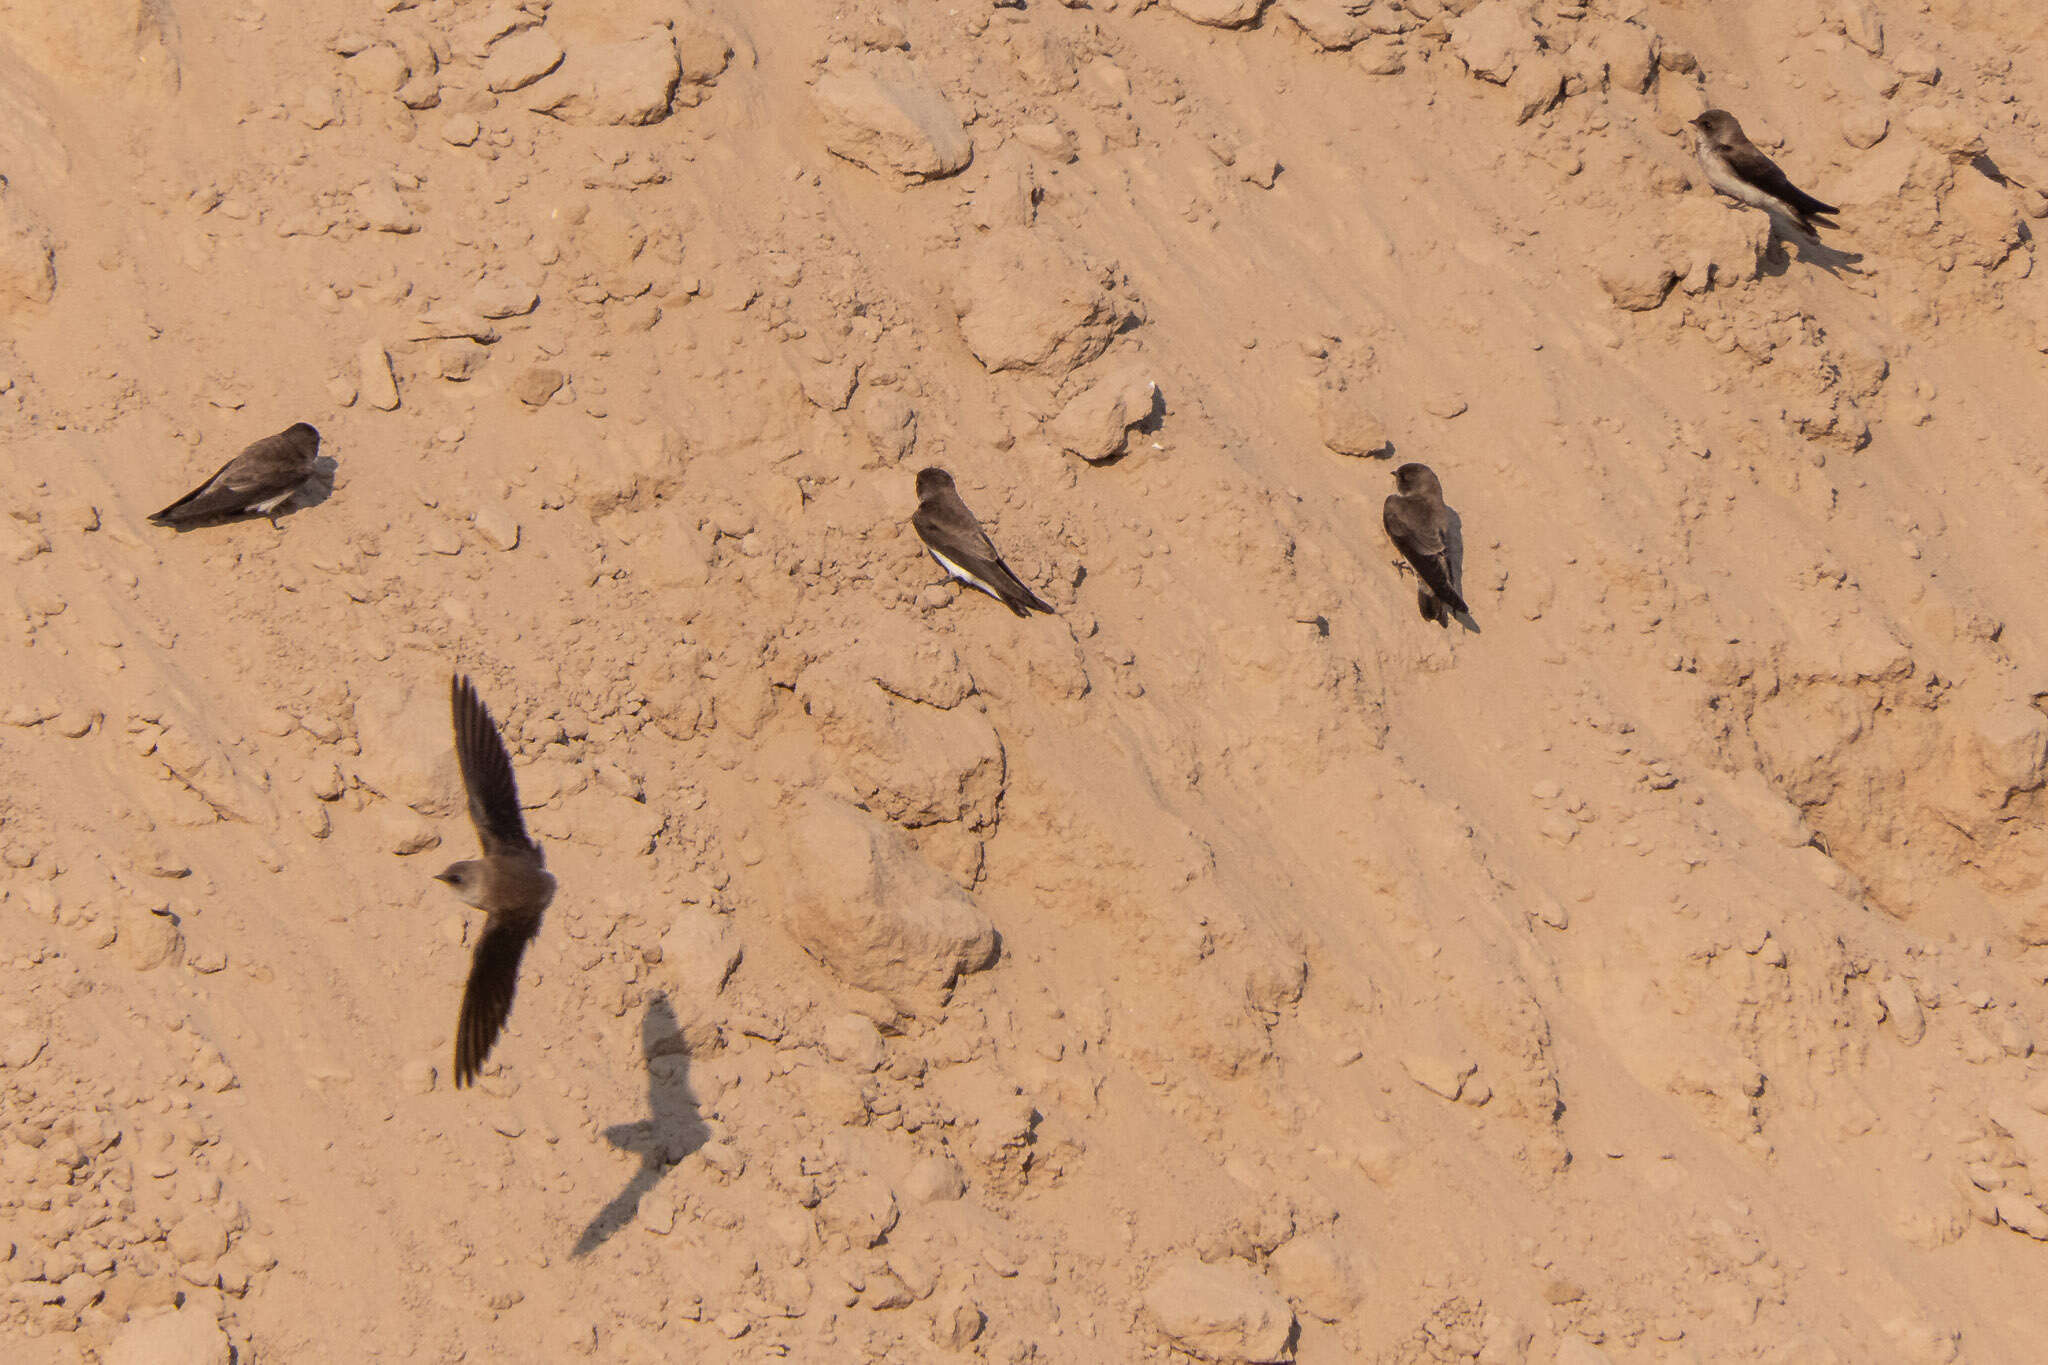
(672,1131)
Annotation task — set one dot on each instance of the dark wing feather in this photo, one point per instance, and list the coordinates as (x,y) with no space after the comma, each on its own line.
(273,465)
(1759,170)
(961,539)
(487,774)
(1421,543)
(487,999)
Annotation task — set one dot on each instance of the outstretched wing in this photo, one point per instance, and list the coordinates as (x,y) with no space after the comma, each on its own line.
(487,775)
(487,999)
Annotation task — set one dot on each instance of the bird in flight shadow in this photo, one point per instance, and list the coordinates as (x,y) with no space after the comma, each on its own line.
(672,1131)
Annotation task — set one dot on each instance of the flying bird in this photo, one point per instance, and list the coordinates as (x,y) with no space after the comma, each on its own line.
(962,548)
(1419,525)
(1737,169)
(256,482)
(509,883)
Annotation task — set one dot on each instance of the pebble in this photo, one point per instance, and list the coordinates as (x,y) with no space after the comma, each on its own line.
(418,1077)
(497,528)
(539,384)
(854,1039)
(460,130)
(1902,1009)
(379,387)
(1439,1074)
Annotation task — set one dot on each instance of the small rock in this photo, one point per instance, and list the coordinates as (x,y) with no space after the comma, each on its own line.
(1902,1009)
(538,385)
(1096,424)
(1314,1273)
(497,527)
(1637,282)
(854,1039)
(935,1180)
(186,1336)
(2022,1214)
(1219,13)
(148,940)
(628,84)
(1348,422)
(375,381)
(461,130)
(505,297)
(521,59)
(418,1077)
(1443,1075)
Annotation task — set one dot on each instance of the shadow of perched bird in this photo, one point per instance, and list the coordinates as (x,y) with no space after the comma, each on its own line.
(510,883)
(257,482)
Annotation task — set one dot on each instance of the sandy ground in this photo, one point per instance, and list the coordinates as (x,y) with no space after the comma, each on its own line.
(1231,965)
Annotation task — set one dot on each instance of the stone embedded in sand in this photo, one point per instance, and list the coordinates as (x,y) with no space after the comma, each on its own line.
(864,903)
(1316,1275)
(1349,424)
(504,297)
(1022,306)
(1902,1008)
(1096,423)
(521,59)
(186,1336)
(631,83)
(935,1180)
(1627,51)
(854,1039)
(1223,1312)
(1330,24)
(379,70)
(539,384)
(1947,131)
(1492,38)
(148,940)
(498,527)
(862,1210)
(891,121)
(374,380)
(1445,1076)
(1219,13)
(1637,282)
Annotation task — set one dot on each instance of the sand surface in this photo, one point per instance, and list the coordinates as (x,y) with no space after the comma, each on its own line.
(1231,966)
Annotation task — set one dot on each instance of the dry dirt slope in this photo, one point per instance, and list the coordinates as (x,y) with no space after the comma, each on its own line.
(1650,974)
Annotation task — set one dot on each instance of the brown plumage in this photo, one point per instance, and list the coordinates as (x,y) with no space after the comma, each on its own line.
(259,480)
(955,538)
(1737,169)
(1420,525)
(510,883)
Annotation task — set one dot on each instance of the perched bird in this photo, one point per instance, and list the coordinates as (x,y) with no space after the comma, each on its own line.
(509,883)
(1419,525)
(256,482)
(962,548)
(1736,168)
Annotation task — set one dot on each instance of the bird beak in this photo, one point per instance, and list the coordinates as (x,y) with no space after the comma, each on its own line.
(447,877)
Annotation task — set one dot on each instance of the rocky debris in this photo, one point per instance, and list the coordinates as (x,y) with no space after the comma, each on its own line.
(1637,281)
(866,905)
(882,115)
(1330,24)
(1024,306)
(1316,1275)
(1492,37)
(1223,1312)
(631,83)
(537,386)
(1219,13)
(520,59)
(1096,422)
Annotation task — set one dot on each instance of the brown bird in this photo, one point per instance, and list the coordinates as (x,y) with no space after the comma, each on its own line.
(256,482)
(1419,525)
(509,883)
(962,548)
(1737,169)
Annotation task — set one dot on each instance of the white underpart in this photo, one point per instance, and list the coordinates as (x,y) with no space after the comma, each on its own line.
(1724,179)
(965,577)
(265,508)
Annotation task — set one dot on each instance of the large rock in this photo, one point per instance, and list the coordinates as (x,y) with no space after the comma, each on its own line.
(887,118)
(631,83)
(1330,24)
(875,913)
(1024,307)
(1224,1312)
